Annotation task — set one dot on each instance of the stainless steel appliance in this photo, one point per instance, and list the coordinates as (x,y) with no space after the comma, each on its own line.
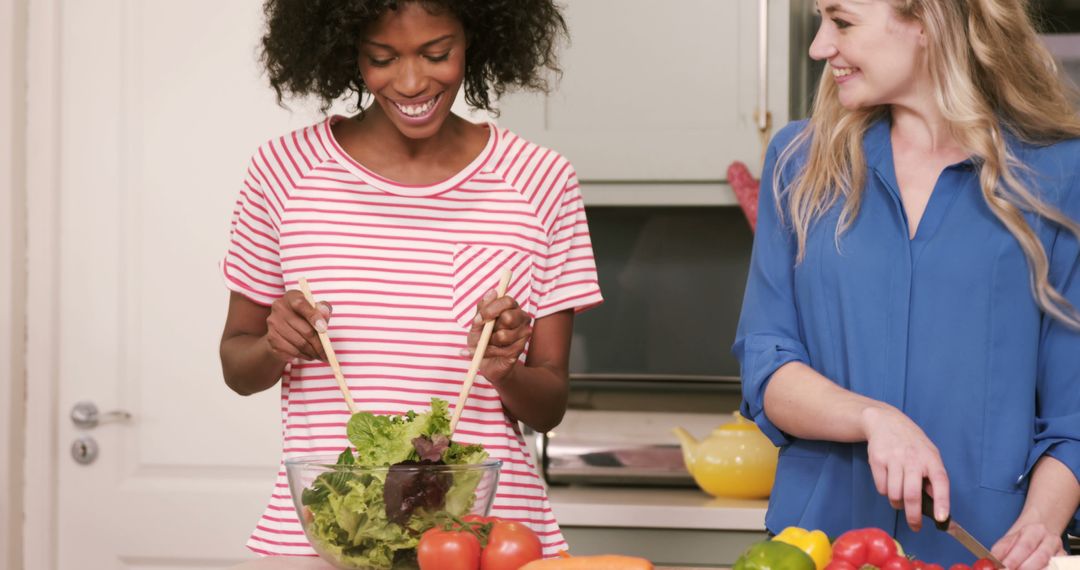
(1059,21)
(621,447)
(657,353)
(804,72)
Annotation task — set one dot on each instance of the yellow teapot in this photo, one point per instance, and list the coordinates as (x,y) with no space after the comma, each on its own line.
(735,461)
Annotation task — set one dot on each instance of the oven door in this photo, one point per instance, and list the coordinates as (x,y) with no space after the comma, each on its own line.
(1066,50)
(1059,24)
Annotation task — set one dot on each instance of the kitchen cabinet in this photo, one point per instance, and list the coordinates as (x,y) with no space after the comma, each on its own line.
(671,527)
(667,547)
(657,98)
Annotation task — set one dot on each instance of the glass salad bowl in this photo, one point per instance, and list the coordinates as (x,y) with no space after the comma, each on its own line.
(371,518)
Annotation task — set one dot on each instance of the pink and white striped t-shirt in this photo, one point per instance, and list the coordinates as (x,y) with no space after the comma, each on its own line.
(403,267)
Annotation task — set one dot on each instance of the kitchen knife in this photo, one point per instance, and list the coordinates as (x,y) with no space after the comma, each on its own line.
(956,531)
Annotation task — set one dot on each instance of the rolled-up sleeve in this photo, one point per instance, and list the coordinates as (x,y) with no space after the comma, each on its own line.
(1057,422)
(768,334)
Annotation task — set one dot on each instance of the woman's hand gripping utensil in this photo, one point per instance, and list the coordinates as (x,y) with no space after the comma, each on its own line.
(478,356)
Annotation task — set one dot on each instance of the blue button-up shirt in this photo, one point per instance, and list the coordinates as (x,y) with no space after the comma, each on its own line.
(943,327)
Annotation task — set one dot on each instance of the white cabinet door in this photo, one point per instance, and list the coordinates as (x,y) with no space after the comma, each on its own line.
(659,90)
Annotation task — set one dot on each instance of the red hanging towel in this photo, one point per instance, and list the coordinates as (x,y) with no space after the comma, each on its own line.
(746,190)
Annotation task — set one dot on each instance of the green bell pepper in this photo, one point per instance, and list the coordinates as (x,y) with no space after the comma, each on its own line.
(773,555)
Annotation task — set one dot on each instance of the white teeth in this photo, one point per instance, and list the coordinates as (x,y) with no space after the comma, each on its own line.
(417,110)
(842,72)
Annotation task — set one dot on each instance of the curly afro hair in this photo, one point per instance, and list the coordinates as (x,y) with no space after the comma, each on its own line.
(310,46)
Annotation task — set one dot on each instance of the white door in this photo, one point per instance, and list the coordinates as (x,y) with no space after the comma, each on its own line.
(160,106)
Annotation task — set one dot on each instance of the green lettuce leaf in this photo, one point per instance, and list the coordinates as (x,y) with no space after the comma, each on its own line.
(462,494)
(381,441)
(458,454)
(353,527)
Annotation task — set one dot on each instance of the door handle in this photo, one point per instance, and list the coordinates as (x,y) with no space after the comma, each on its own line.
(85,415)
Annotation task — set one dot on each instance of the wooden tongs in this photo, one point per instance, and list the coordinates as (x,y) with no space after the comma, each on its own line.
(325,340)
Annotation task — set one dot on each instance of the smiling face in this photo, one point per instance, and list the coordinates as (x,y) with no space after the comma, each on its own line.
(876,57)
(412,61)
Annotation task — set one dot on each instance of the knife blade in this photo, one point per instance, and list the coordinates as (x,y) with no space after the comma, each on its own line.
(950,527)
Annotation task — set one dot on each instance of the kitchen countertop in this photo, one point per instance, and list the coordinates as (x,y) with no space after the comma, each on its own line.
(636,507)
(610,507)
(311,563)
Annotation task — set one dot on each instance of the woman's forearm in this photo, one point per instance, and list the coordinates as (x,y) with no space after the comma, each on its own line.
(536,395)
(807,405)
(248,365)
(1053,495)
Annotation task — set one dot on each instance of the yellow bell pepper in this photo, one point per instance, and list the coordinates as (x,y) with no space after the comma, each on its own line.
(814,543)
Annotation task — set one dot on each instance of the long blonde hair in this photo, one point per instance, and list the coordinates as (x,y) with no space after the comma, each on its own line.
(990,70)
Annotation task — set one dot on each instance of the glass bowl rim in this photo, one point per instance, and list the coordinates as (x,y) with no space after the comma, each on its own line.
(330,462)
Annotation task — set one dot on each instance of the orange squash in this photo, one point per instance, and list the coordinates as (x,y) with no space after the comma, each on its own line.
(599,562)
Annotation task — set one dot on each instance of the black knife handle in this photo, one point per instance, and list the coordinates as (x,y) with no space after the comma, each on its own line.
(928,510)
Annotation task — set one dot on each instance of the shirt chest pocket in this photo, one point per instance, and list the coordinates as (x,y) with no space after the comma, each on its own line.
(477,269)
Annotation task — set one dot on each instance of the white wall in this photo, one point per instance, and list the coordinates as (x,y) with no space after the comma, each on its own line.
(12,276)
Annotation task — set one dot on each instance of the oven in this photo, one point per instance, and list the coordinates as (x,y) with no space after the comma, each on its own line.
(1059,25)
(657,353)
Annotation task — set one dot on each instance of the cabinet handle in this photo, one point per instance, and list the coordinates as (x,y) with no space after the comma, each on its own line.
(762,116)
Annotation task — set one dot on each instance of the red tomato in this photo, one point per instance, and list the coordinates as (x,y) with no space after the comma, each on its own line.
(983,564)
(510,546)
(918,565)
(448,550)
(959,566)
(840,565)
(478,519)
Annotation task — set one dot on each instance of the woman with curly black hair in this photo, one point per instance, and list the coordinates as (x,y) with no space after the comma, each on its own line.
(402,218)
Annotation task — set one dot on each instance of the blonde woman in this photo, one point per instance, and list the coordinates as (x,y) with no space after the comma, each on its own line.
(910,318)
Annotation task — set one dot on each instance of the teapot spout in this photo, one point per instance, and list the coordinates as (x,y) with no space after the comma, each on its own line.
(689,446)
